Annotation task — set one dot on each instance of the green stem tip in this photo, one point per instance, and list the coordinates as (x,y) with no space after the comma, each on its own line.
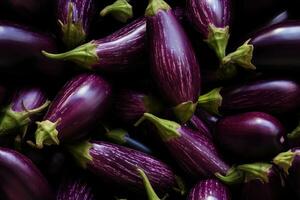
(254,171)
(155,6)
(295,133)
(233,176)
(185,111)
(121,10)
(211,101)
(46,133)
(117,136)
(81,153)
(285,160)
(149,189)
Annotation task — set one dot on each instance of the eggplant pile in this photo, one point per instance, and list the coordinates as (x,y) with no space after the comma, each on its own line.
(158,100)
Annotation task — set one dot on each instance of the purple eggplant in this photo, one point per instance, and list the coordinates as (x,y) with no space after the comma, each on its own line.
(251,135)
(195,152)
(174,65)
(24,106)
(256,95)
(130,105)
(75,189)
(121,10)
(118,164)
(74,18)
(209,189)
(21,179)
(78,105)
(198,125)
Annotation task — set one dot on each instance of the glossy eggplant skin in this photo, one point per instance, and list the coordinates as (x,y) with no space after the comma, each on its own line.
(251,135)
(198,125)
(21,179)
(173,62)
(276,47)
(75,189)
(209,189)
(125,161)
(285,95)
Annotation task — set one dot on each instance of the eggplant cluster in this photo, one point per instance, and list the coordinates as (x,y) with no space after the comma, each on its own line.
(122,100)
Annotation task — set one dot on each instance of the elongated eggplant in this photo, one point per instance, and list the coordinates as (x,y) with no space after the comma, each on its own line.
(130,105)
(256,95)
(195,152)
(119,165)
(78,105)
(75,189)
(74,18)
(121,10)
(24,106)
(209,189)
(198,125)
(251,135)
(21,179)
(173,62)
(289,162)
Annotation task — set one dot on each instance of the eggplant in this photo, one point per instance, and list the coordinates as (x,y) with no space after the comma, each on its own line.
(75,189)
(121,10)
(118,164)
(209,189)
(77,106)
(74,18)
(130,105)
(22,110)
(21,179)
(209,119)
(198,125)
(251,135)
(255,95)
(174,65)
(121,137)
(195,152)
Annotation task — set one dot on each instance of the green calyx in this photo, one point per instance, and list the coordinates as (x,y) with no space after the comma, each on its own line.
(156,5)
(285,160)
(295,133)
(46,134)
(73,32)
(84,55)
(81,153)
(233,176)
(152,104)
(226,72)
(166,129)
(217,39)
(117,136)
(211,101)
(13,120)
(242,56)
(121,10)
(256,171)
(185,111)
(149,189)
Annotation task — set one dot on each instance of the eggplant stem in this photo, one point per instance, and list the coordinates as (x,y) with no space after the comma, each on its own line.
(121,10)
(154,6)
(149,189)
(258,171)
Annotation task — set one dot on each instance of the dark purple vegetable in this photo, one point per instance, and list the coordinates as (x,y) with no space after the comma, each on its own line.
(119,165)
(130,105)
(209,189)
(75,189)
(174,65)
(256,95)
(74,18)
(251,135)
(21,179)
(195,152)
(78,105)
(289,162)
(198,125)
(209,119)
(24,106)
(121,10)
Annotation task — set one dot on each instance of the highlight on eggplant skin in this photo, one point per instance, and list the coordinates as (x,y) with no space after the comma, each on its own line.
(21,179)
(77,106)
(251,135)
(209,189)
(98,158)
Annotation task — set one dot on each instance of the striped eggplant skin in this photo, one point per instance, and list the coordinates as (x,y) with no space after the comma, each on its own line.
(119,164)
(209,189)
(285,95)
(173,62)
(198,125)
(251,135)
(276,47)
(21,179)
(75,189)
(77,106)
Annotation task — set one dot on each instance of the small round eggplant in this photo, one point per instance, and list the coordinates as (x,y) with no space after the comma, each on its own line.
(78,105)
(174,64)
(21,179)
(209,189)
(24,106)
(119,165)
(252,135)
(256,95)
